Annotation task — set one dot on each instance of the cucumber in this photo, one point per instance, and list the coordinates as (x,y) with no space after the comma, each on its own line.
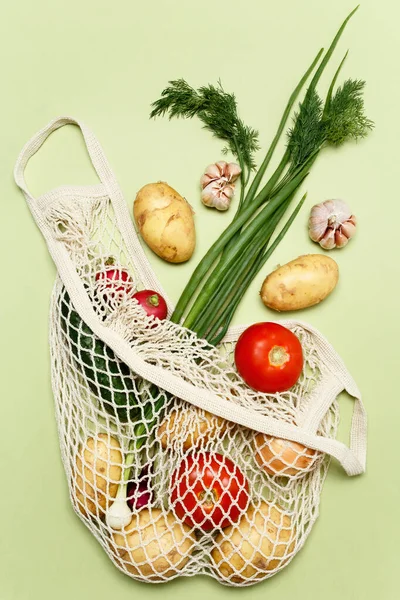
(108,377)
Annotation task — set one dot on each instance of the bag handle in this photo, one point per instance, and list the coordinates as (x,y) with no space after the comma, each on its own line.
(111,190)
(94,149)
(352,458)
(336,378)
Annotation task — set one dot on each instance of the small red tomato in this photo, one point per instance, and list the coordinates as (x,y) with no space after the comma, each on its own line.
(113,280)
(209,491)
(153,303)
(269,357)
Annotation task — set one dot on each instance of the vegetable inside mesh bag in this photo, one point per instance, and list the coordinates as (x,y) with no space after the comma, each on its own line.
(173,463)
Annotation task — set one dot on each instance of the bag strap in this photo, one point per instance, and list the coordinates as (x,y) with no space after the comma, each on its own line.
(111,190)
(352,458)
(336,379)
(95,151)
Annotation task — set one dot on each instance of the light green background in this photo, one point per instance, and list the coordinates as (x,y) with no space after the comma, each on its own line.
(104,62)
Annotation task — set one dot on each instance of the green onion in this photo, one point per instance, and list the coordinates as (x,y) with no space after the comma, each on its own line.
(218,283)
(226,317)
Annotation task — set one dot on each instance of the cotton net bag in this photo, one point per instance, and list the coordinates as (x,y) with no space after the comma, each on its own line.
(152,419)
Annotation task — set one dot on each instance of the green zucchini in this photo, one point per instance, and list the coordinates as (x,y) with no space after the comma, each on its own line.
(108,377)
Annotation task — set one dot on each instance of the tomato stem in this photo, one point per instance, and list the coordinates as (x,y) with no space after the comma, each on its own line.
(278,356)
(208,497)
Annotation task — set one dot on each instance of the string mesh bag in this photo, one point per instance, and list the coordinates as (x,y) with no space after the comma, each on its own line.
(173,463)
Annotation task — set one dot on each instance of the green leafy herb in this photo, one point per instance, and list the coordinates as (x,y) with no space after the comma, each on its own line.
(307,134)
(217,110)
(219,281)
(345,118)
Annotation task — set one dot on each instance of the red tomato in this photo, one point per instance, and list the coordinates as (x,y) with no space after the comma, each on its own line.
(269,357)
(152,303)
(209,491)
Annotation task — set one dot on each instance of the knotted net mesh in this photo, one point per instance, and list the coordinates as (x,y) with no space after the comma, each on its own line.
(167,488)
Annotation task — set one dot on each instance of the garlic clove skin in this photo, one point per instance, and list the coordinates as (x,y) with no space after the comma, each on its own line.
(211,191)
(337,210)
(212,172)
(218,185)
(349,227)
(205,180)
(208,198)
(328,240)
(233,172)
(331,224)
(228,191)
(317,228)
(222,166)
(222,203)
(216,196)
(340,239)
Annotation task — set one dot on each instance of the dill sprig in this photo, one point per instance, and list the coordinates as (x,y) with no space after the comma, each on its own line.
(341,119)
(307,133)
(217,110)
(219,281)
(345,118)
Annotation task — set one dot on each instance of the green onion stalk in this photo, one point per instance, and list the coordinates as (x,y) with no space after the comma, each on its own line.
(217,285)
(119,514)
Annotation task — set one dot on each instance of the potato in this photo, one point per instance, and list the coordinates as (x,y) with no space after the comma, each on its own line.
(300,283)
(189,428)
(282,457)
(98,469)
(154,545)
(165,221)
(261,542)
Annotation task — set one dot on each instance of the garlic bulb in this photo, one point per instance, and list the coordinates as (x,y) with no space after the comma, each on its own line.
(331,224)
(218,183)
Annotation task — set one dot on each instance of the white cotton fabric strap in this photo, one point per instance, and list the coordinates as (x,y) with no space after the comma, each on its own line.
(109,186)
(352,457)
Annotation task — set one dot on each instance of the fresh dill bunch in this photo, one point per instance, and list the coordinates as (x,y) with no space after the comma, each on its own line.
(217,110)
(307,134)
(341,119)
(345,117)
(179,99)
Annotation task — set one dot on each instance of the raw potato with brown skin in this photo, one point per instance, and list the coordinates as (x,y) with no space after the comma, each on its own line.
(282,457)
(199,428)
(154,545)
(301,283)
(98,469)
(165,221)
(261,542)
